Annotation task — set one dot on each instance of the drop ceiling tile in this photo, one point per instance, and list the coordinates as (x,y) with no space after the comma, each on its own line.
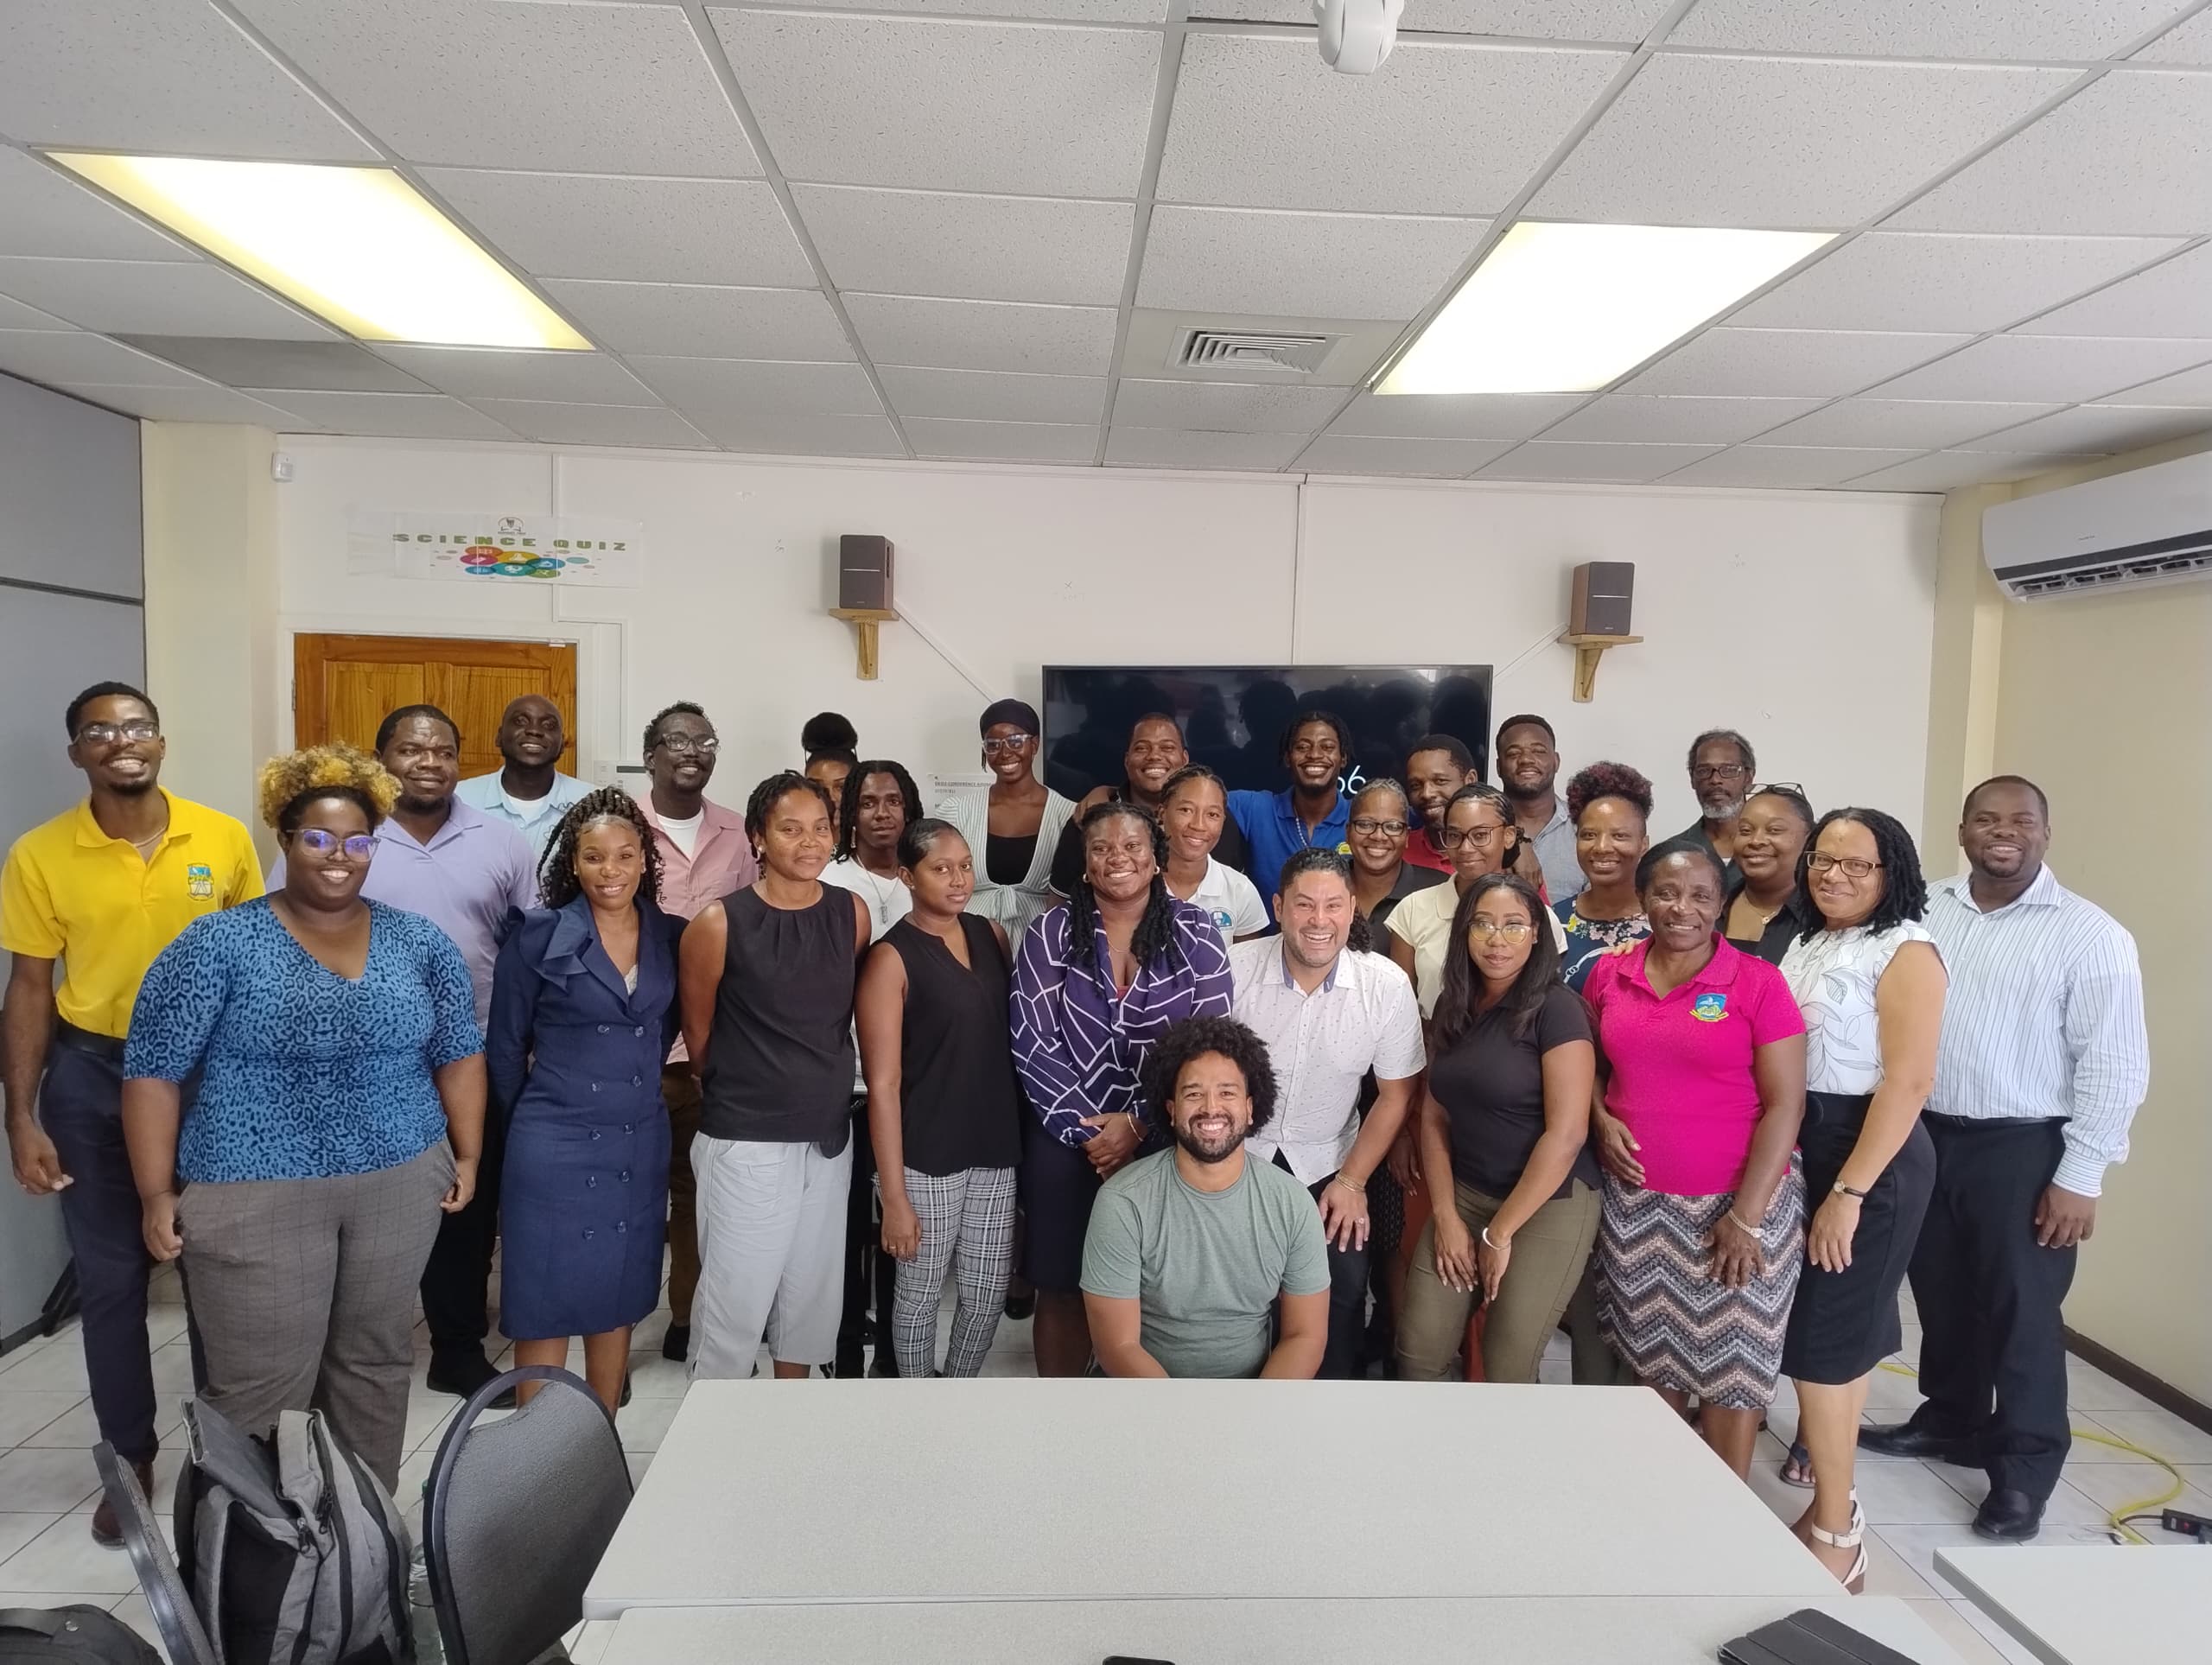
(692,319)
(74,355)
(470,372)
(154,297)
(1788,363)
(1616,22)
(950,105)
(158,76)
(1926,29)
(653,231)
(1453,416)
(1296,265)
(2108,427)
(2172,298)
(1168,447)
(402,416)
(2191,43)
(1224,407)
(984,248)
(1946,470)
(1916,424)
(991,396)
(1353,454)
(1641,418)
(1057,11)
(44,210)
(2190,387)
(1002,441)
(1785,466)
(595,424)
(1566,460)
(1782,143)
(1921,281)
(2131,154)
(1260,122)
(905,329)
(813,436)
(333,366)
(613,89)
(200,402)
(2057,369)
(738,388)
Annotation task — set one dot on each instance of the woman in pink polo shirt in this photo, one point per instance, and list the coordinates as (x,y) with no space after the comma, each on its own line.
(1695,1117)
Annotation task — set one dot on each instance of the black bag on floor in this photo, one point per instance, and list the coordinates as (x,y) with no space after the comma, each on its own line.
(70,1635)
(292,1549)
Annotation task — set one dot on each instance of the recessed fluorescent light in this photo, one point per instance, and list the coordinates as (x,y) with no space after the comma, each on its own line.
(358,246)
(1559,309)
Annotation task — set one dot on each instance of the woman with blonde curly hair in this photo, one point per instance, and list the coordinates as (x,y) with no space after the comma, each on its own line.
(341,1107)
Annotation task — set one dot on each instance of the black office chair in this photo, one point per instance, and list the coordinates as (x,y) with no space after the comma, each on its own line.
(517,1515)
(159,1581)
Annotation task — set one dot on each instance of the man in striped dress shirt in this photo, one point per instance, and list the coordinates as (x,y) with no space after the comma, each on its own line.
(2042,1062)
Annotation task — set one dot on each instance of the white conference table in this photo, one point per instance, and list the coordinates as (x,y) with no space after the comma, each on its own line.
(1527,1630)
(2094,1604)
(1007,1490)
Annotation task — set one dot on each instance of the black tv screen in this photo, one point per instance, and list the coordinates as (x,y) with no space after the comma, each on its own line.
(1233,716)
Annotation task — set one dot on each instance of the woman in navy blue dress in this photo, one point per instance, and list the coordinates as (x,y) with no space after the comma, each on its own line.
(583,1012)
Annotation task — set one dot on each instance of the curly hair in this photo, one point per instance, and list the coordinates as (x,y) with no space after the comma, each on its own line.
(1195,1037)
(389,726)
(1455,1000)
(557,883)
(1904,892)
(1156,930)
(767,795)
(288,784)
(1608,780)
(680,708)
(848,808)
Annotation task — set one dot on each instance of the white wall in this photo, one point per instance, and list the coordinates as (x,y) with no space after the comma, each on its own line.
(1803,619)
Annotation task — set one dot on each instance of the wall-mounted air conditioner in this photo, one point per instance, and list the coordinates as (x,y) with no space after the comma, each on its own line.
(2148,526)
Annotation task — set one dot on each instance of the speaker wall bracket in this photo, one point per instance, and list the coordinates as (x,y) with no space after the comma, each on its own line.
(864,621)
(1588,650)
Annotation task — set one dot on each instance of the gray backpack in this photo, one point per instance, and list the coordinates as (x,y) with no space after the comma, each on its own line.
(291,1548)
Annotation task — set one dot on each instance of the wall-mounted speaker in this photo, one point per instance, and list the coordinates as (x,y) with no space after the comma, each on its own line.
(864,572)
(1604,592)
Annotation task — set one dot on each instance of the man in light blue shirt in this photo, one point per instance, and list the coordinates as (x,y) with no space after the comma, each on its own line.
(530,794)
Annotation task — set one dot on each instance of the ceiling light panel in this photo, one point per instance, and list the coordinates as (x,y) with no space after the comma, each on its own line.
(1559,309)
(358,246)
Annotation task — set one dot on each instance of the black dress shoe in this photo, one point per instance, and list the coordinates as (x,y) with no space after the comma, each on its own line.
(625,1398)
(675,1345)
(1020,1307)
(107,1530)
(462,1374)
(1910,1439)
(2009,1516)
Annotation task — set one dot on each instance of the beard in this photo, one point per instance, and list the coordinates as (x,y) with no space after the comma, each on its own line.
(137,788)
(1211,1151)
(1724,811)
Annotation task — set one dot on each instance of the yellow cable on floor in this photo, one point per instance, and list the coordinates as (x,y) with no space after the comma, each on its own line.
(2117,1521)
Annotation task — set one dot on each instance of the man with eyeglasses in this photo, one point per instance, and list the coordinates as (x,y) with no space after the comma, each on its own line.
(529,792)
(1310,813)
(103,888)
(1722,768)
(704,857)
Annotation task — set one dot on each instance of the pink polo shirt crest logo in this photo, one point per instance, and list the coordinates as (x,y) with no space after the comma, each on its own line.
(1709,1008)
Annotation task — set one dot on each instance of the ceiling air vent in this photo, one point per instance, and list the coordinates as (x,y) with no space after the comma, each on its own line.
(1208,348)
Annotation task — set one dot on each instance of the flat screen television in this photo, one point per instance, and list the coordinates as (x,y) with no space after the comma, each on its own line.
(1233,716)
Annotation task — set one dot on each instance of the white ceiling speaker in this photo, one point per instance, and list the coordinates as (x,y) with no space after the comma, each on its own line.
(1357,35)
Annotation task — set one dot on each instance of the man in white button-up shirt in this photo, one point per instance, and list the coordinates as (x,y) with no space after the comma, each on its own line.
(1330,1015)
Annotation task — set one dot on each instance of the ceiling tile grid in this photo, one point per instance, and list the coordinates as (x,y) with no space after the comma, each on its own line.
(916,227)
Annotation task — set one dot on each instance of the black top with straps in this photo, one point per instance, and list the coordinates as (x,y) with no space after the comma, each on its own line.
(959,1105)
(780,1057)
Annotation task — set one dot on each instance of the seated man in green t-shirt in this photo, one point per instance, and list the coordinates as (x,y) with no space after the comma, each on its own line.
(1191,1249)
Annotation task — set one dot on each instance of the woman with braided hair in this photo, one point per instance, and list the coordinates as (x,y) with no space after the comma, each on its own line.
(1098,979)
(584,1010)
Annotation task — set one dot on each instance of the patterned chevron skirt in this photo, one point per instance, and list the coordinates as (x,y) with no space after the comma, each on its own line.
(1677,1326)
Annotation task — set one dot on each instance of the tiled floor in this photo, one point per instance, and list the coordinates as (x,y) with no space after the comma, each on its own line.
(47,1484)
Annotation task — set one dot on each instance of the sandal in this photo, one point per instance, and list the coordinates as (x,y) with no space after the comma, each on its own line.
(1854,1581)
(1797,1469)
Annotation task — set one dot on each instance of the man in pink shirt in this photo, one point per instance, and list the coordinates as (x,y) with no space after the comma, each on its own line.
(704,857)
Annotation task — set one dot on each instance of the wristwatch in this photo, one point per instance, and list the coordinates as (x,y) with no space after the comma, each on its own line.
(1842,1189)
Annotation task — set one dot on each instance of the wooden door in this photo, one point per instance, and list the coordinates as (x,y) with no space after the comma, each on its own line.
(343,686)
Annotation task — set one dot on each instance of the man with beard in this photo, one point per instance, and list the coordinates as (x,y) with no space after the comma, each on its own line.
(1190,1249)
(103,888)
(704,857)
(1722,769)
(1330,1017)
(1155,752)
(2043,1062)
(1311,812)
(1437,766)
(529,793)
(1528,767)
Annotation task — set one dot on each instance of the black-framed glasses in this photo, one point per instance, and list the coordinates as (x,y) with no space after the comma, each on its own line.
(1718,771)
(1855,867)
(995,746)
(684,744)
(1451,838)
(357,847)
(1367,826)
(106,734)
(1759,786)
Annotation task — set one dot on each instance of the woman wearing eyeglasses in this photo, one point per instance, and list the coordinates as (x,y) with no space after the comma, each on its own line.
(1872,985)
(1505,1134)
(1015,824)
(1478,837)
(1610,806)
(1770,834)
(1193,809)
(340,1108)
(1381,821)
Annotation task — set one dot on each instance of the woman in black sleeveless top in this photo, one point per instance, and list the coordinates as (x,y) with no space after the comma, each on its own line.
(767,977)
(943,1108)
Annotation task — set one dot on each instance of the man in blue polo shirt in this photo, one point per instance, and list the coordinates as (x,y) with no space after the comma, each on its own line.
(1311,812)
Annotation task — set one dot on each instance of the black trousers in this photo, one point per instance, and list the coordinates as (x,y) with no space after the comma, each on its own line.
(458,1275)
(1992,1352)
(1347,1301)
(869,1273)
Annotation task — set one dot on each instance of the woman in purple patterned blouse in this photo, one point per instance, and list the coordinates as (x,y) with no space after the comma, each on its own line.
(1097,979)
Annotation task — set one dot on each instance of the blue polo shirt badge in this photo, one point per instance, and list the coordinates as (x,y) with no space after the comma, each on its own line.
(1709,1008)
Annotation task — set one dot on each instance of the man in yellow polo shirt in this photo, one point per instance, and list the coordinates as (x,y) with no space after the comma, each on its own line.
(103,889)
